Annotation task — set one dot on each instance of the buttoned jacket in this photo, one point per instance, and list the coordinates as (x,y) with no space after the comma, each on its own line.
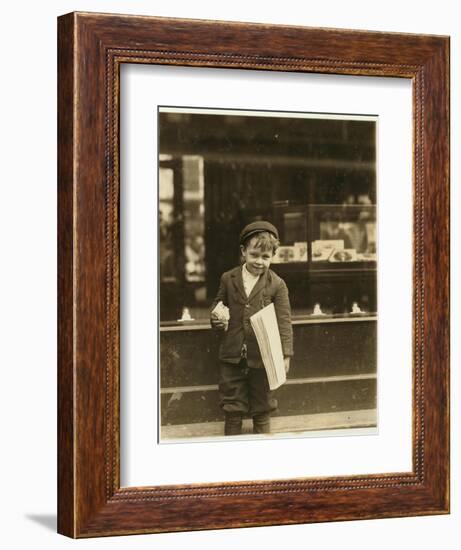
(269,288)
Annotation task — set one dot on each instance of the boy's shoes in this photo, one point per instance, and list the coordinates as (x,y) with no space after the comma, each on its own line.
(262,424)
(233,424)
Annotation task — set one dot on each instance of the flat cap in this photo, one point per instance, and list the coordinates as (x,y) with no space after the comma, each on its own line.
(257,227)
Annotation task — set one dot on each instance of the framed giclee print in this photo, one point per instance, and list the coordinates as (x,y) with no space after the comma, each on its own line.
(253,275)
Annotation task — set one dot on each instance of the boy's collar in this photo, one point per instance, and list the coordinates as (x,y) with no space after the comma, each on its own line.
(237,278)
(248,273)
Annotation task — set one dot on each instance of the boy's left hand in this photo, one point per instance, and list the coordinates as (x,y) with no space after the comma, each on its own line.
(286,360)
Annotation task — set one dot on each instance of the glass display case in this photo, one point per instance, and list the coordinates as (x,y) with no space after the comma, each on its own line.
(332,234)
(328,257)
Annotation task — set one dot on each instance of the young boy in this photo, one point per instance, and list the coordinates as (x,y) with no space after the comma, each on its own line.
(243,384)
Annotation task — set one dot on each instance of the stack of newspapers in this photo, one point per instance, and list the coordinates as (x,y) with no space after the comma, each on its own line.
(266,328)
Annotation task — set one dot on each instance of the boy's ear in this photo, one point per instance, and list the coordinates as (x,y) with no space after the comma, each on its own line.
(242,249)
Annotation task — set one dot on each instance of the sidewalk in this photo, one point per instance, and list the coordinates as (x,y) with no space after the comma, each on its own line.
(285,425)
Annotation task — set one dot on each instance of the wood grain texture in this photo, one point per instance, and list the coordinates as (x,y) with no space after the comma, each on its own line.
(91,49)
(66,509)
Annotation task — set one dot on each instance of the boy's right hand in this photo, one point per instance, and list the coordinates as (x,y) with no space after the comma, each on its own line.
(218,324)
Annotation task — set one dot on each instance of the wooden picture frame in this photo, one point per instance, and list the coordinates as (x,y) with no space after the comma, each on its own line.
(92,48)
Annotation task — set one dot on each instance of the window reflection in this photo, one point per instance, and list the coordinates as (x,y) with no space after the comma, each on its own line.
(314,178)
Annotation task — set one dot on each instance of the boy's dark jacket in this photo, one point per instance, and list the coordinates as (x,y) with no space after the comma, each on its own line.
(269,288)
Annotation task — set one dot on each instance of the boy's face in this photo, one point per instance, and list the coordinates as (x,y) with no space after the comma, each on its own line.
(257,260)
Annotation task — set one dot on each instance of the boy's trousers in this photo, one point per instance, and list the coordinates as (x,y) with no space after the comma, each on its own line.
(244,390)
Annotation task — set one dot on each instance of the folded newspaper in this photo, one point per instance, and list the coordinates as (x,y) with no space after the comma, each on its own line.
(266,329)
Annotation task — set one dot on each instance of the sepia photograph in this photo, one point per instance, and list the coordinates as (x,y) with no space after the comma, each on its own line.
(268,274)
(236,202)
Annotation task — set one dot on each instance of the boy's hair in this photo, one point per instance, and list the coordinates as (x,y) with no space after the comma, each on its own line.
(263,240)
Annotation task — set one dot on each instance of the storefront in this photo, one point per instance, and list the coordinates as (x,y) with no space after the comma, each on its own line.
(315,179)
